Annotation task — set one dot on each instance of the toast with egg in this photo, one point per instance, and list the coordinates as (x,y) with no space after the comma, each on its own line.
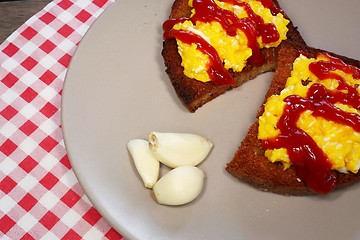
(194,94)
(250,164)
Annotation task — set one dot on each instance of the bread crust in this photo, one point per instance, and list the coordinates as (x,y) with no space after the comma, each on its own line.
(194,94)
(249,163)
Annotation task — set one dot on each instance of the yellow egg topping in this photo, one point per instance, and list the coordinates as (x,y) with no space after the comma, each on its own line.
(233,50)
(340,143)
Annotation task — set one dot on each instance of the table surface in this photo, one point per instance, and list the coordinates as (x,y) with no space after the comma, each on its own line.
(15,13)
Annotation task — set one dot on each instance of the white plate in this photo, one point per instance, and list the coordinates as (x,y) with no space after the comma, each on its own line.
(116,90)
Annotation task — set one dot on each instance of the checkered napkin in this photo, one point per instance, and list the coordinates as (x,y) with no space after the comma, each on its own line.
(40,197)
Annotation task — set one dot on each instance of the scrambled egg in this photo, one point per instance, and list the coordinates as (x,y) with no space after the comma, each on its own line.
(340,143)
(233,51)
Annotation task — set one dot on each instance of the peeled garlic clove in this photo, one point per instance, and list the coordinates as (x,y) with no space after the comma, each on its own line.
(179,186)
(147,166)
(179,149)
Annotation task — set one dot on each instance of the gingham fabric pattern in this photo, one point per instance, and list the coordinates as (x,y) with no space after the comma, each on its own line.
(40,197)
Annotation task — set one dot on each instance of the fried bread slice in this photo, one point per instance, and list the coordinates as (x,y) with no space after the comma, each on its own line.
(249,163)
(194,94)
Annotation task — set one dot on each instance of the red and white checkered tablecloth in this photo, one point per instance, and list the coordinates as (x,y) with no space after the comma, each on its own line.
(40,197)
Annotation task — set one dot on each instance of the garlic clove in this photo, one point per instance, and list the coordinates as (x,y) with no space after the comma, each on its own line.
(179,149)
(146,165)
(179,186)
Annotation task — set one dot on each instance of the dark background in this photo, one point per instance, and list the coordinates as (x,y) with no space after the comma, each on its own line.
(14,13)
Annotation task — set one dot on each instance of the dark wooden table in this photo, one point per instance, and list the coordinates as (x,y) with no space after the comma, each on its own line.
(15,13)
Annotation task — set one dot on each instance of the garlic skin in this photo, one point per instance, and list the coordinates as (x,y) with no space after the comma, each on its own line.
(179,186)
(147,166)
(179,149)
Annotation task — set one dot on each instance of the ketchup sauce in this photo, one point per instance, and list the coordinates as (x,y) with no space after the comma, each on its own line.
(216,70)
(273,8)
(312,165)
(253,26)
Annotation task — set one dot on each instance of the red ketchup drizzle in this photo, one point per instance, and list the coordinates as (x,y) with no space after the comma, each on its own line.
(273,8)
(216,70)
(311,163)
(267,31)
(253,26)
